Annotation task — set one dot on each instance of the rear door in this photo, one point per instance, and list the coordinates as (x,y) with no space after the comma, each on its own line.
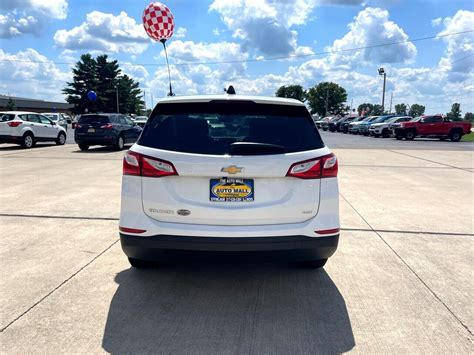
(50,130)
(237,177)
(36,125)
(440,127)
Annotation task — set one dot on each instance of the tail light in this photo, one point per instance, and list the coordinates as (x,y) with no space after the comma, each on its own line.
(327,231)
(14,123)
(141,165)
(77,125)
(107,126)
(131,230)
(318,168)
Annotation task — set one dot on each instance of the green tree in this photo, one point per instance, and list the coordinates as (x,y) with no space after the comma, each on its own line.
(84,80)
(10,105)
(326,98)
(292,92)
(469,116)
(401,109)
(129,95)
(455,113)
(104,77)
(365,109)
(377,110)
(108,75)
(416,110)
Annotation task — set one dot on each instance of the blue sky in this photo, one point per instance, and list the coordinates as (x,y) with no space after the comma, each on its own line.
(434,72)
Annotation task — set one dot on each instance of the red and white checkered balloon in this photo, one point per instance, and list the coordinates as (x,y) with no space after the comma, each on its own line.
(158,21)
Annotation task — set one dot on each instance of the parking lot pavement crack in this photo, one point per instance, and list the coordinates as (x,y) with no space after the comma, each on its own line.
(431,161)
(412,270)
(58,287)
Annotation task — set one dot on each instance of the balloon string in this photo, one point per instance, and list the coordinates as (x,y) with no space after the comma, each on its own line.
(169,72)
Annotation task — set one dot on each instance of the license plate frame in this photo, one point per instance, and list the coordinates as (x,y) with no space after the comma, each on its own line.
(231,190)
(91,130)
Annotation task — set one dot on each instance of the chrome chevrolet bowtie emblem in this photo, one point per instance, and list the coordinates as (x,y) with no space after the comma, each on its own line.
(232,169)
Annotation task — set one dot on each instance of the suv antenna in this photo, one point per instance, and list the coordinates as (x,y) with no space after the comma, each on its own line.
(163,40)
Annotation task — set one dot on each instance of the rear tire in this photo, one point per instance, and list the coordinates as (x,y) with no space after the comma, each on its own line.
(61,140)
(83,147)
(314,264)
(455,136)
(139,264)
(28,140)
(120,143)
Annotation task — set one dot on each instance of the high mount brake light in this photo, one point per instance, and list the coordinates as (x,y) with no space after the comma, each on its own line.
(14,123)
(317,168)
(141,165)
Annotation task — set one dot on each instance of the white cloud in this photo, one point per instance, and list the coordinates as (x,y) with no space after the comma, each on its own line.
(14,27)
(180,32)
(437,21)
(458,57)
(265,25)
(23,74)
(138,72)
(29,16)
(56,9)
(372,27)
(189,51)
(105,32)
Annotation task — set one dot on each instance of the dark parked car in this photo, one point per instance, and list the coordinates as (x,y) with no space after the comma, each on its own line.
(345,124)
(334,124)
(337,124)
(108,129)
(325,123)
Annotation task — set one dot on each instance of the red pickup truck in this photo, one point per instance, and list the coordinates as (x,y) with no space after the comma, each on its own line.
(435,126)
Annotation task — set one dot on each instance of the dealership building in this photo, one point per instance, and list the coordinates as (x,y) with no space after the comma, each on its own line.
(34,105)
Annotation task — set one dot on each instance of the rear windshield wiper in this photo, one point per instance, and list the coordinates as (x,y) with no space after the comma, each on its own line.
(253,148)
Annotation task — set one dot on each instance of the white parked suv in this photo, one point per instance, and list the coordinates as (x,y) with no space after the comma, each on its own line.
(265,182)
(27,128)
(382,128)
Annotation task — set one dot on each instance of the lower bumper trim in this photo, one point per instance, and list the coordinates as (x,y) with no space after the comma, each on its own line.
(303,247)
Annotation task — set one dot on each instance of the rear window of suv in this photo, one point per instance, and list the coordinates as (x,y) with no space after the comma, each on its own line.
(4,117)
(211,127)
(94,120)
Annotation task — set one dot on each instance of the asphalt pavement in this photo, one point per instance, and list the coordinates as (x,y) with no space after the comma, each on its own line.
(400,282)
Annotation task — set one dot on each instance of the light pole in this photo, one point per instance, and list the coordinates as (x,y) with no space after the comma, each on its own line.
(382,72)
(117,97)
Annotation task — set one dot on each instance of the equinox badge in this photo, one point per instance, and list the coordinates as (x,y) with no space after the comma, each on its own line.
(232,169)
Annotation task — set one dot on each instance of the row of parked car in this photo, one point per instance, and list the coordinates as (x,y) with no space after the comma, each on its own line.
(397,126)
(28,128)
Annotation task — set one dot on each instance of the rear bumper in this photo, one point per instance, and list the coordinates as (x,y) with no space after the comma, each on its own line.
(294,247)
(107,140)
(10,139)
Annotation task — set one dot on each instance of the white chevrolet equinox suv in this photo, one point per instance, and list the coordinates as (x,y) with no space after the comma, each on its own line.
(230,173)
